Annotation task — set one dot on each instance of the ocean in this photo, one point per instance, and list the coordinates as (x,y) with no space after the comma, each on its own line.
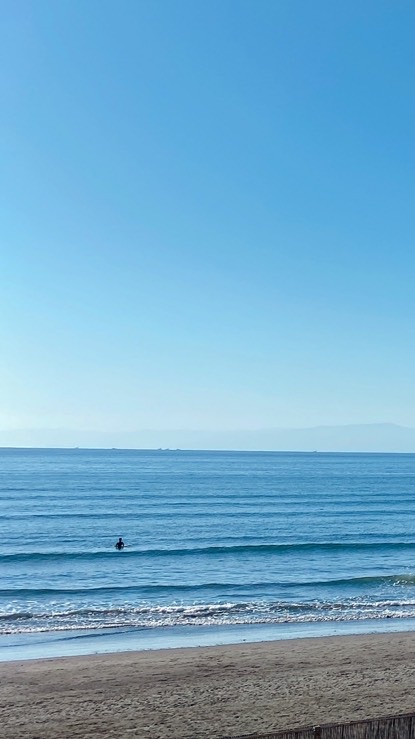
(220,547)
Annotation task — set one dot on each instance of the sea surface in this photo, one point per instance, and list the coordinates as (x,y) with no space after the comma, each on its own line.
(217,543)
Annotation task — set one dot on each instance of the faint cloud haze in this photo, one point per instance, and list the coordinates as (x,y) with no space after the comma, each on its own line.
(383,437)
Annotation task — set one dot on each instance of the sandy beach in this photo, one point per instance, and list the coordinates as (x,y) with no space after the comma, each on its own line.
(209,692)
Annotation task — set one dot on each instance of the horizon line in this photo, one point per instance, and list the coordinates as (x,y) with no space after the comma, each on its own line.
(195,451)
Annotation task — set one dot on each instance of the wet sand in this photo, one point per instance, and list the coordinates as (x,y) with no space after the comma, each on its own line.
(209,692)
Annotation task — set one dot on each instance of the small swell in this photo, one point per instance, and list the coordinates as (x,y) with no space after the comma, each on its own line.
(223,587)
(211,551)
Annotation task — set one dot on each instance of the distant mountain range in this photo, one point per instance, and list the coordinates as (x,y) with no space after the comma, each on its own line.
(376,437)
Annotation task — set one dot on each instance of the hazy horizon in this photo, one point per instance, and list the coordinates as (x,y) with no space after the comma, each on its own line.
(383,437)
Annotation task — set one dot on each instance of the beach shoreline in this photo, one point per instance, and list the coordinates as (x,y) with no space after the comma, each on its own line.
(211,691)
(72,643)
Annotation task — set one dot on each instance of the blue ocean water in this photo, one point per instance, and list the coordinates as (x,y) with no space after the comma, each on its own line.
(225,539)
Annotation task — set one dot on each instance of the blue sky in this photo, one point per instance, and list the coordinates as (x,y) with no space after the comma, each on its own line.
(207,213)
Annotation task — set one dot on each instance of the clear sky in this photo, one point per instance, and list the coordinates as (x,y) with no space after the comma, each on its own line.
(207,213)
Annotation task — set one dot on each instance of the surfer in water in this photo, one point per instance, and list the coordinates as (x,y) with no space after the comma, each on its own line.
(120,544)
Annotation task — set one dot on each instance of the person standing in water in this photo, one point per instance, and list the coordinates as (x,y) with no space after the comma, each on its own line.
(120,544)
